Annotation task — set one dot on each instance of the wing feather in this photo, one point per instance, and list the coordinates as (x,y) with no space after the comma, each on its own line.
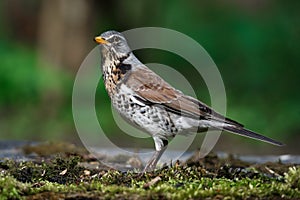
(152,89)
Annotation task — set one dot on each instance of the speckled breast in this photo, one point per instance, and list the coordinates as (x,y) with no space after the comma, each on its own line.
(153,119)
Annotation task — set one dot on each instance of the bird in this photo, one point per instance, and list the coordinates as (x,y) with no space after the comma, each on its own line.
(148,102)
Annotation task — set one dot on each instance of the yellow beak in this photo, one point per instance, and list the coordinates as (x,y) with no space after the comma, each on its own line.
(100,40)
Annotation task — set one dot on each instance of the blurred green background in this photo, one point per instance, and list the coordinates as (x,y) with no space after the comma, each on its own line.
(255,44)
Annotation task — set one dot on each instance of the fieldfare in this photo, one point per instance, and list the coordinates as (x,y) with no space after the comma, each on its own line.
(145,100)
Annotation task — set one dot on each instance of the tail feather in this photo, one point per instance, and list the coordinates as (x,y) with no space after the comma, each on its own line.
(247,133)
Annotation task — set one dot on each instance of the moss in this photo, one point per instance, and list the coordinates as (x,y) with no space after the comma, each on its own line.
(59,170)
(10,188)
(211,177)
(53,148)
(292,177)
(191,188)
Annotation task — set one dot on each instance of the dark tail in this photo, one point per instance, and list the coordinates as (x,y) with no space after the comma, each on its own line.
(247,133)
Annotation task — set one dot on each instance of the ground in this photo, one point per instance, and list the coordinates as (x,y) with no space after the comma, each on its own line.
(71,173)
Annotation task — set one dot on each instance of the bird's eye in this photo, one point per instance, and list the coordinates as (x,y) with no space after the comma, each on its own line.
(116,39)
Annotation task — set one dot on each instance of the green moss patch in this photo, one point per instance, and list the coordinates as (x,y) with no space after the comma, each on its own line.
(66,177)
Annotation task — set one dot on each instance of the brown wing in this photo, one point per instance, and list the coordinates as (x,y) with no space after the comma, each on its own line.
(152,89)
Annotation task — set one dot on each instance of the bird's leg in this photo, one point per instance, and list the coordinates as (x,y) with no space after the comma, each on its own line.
(153,161)
(160,145)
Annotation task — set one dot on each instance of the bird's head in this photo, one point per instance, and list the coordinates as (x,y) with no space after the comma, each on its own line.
(114,44)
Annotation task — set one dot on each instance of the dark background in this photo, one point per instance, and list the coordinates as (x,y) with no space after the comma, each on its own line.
(254,43)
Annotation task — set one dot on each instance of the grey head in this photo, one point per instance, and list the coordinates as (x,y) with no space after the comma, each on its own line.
(113,45)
